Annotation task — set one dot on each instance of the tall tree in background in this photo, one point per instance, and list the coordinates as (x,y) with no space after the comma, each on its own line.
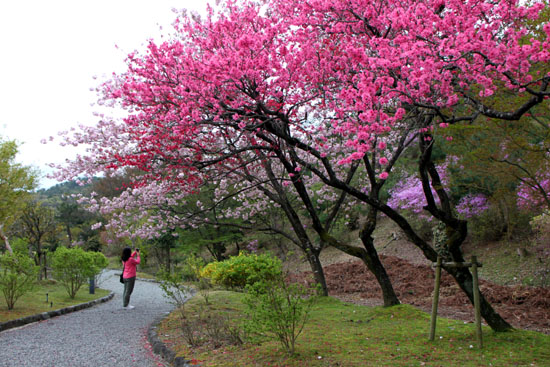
(16,181)
(36,224)
(70,214)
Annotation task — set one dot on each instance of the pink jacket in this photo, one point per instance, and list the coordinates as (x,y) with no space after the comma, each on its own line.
(130,266)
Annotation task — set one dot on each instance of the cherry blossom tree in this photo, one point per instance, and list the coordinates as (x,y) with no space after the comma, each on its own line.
(142,160)
(146,211)
(265,75)
(445,58)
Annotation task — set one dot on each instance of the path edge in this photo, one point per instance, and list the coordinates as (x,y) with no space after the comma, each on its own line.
(161,349)
(49,314)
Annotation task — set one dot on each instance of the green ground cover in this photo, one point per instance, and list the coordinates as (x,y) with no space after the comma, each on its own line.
(341,334)
(35,302)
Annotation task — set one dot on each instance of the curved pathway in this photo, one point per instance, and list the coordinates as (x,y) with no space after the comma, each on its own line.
(103,335)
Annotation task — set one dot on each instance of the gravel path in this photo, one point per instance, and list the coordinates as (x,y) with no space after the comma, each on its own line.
(103,335)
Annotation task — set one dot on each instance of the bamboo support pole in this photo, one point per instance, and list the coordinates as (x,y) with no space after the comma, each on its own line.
(479,334)
(475,285)
(436,298)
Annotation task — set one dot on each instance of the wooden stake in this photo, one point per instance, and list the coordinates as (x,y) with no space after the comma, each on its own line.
(436,298)
(479,334)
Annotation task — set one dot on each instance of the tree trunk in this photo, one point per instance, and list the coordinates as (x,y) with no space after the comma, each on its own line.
(456,231)
(373,260)
(462,276)
(464,279)
(317,269)
(45,266)
(5,238)
(39,259)
(303,240)
(69,233)
(40,267)
(168,260)
(375,266)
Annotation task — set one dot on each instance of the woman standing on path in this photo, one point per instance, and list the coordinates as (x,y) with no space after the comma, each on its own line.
(130,260)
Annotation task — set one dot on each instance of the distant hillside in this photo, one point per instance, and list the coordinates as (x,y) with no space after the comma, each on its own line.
(64,188)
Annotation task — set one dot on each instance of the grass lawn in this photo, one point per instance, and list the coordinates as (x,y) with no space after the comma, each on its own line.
(340,334)
(35,302)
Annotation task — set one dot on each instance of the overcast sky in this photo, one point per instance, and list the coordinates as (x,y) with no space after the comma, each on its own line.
(50,52)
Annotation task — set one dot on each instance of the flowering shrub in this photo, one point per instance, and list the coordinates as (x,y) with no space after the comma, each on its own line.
(209,269)
(244,269)
(472,205)
(253,246)
(530,192)
(408,195)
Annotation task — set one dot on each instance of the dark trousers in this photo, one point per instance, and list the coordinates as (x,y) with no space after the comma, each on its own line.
(128,289)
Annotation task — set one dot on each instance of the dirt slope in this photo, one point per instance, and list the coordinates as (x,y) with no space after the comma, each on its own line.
(523,307)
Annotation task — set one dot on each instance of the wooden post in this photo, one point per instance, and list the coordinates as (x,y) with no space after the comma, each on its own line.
(436,298)
(479,335)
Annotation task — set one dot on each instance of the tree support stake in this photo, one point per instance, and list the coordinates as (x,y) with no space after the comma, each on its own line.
(474,265)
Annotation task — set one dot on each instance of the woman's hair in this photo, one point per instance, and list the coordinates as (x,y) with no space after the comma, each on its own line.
(126,253)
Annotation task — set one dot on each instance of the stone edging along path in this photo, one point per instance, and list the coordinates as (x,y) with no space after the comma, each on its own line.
(157,345)
(161,349)
(46,315)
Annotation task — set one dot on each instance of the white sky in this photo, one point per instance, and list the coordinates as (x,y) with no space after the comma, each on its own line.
(49,53)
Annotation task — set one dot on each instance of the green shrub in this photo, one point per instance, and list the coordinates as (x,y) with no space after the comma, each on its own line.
(487,226)
(541,225)
(422,224)
(214,329)
(72,267)
(172,286)
(277,310)
(192,266)
(242,270)
(99,260)
(18,275)
(20,245)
